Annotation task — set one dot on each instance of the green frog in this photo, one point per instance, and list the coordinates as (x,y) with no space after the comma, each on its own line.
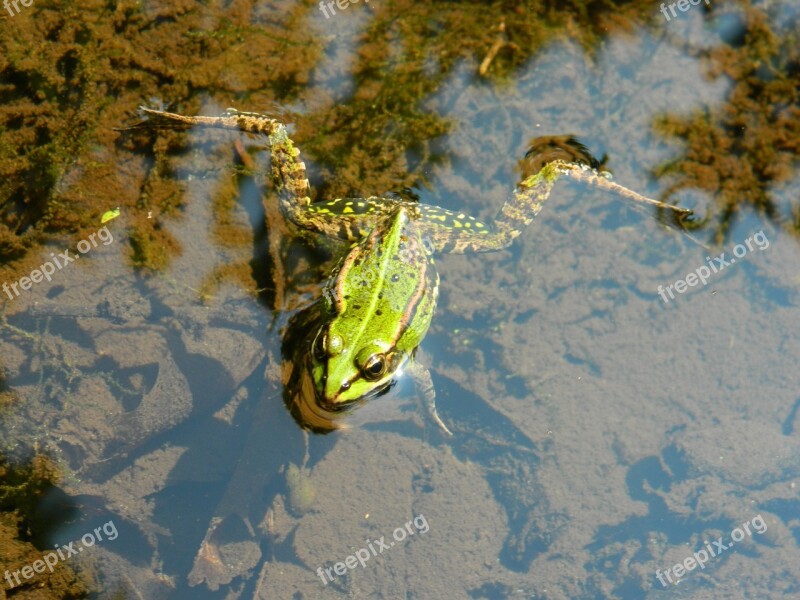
(379,300)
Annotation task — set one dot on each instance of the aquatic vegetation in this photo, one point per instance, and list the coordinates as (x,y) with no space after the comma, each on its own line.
(743,150)
(59,167)
(22,488)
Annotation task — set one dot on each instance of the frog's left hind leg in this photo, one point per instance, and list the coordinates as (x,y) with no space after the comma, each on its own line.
(456,234)
(574,160)
(547,159)
(424,385)
(529,196)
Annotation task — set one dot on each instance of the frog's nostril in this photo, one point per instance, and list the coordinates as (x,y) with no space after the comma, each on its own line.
(345,386)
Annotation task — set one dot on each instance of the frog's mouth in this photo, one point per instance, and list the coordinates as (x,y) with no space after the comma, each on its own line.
(316,413)
(313,411)
(307,406)
(330,405)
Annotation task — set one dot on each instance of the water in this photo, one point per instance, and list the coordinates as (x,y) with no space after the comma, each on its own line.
(602,435)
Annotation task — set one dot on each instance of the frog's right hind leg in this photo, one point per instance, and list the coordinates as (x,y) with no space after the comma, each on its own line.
(288,171)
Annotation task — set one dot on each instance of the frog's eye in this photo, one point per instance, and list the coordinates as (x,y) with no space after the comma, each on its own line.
(374,368)
(321,345)
(327,345)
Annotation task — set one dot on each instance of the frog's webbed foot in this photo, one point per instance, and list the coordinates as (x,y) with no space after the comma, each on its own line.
(231,119)
(424,385)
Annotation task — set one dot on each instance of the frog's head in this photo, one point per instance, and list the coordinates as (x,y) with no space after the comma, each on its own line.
(380,302)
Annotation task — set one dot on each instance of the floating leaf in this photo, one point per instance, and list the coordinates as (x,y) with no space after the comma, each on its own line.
(109,214)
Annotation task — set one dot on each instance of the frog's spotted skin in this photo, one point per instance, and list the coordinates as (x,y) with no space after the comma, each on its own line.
(449,232)
(381,297)
(438,217)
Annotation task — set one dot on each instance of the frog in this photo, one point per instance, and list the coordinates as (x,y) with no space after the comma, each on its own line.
(380,298)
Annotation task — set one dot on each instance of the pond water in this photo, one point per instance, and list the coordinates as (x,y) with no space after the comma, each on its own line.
(620,389)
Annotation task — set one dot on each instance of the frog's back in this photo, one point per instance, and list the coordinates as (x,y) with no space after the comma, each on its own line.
(381,300)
